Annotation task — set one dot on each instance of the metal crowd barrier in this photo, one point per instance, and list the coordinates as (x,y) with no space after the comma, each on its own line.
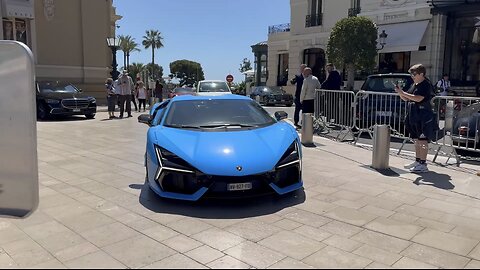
(334,110)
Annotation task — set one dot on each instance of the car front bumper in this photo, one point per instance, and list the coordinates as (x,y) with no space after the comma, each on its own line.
(65,111)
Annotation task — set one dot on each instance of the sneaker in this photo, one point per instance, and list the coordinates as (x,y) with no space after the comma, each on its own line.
(411,165)
(420,168)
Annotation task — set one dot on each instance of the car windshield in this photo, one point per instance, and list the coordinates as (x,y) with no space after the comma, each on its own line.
(183,90)
(217,113)
(214,87)
(387,84)
(57,87)
(274,90)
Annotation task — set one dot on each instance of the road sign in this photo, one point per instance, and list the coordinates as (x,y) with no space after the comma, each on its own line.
(229,78)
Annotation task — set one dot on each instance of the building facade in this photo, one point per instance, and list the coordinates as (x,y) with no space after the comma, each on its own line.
(67,38)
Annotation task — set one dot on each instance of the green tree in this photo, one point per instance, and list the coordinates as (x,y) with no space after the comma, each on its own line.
(352,45)
(127,45)
(245,65)
(135,69)
(158,71)
(187,72)
(152,39)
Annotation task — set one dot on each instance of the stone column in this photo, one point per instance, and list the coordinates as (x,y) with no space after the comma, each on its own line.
(439,28)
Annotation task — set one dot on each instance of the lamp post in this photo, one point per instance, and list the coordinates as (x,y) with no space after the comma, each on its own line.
(382,38)
(114,44)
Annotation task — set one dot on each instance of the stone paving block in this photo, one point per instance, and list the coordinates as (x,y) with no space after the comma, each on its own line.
(381,203)
(420,212)
(435,257)
(76,251)
(398,196)
(407,263)
(381,241)
(51,264)
(349,204)
(376,265)
(358,187)
(443,206)
(348,195)
(96,260)
(316,206)
(377,255)
(466,232)
(292,244)
(109,234)
(218,239)
(341,228)
(404,218)
(436,225)
(342,243)
(136,222)
(138,251)
(394,228)
(445,241)
(350,216)
(253,230)
(204,254)
(254,254)
(313,233)
(376,211)
(330,257)
(289,263)
(471,212)
(181,243)
(26,253)
(461,221)
(307,218)
(177,261)
(473,264)
(6,261)
(10,233)
(87,221)
(227,262)
(189,226)
(287,224)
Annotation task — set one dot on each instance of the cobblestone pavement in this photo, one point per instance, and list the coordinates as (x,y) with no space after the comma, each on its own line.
(96,212)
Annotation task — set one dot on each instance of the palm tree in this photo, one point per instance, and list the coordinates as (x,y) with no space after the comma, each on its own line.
(128,45)
(136,68)
(152,39)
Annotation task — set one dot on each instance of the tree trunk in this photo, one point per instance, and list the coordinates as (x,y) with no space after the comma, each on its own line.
(351,77)
(124,60)
(128,62)
(153,62)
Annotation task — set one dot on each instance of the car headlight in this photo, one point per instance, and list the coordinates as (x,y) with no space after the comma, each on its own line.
(290,157)
(171,162)
(93,101)
(53,101)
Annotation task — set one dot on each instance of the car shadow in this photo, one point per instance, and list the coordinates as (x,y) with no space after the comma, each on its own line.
(437,180)
(220,208)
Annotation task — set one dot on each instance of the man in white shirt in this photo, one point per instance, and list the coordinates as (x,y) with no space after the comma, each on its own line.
(307,96)
(124,89)
(443,85)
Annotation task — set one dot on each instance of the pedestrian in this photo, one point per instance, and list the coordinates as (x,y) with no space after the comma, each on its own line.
(124,88)
(333,80)
(420,120)
(298,80)
(307,96)
(443,86)
(111,98)
(141,95)
(134,93)
(158,91)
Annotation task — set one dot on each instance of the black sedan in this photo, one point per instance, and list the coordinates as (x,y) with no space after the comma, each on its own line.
(271,95)
(57,98)
(466,127)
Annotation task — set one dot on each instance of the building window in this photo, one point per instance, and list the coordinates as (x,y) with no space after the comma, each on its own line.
(394,62)
(355,8)
(282,77)
(314,18)
(315,59)
(15,29)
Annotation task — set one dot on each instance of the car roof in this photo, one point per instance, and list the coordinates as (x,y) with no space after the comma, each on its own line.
(212,81)
(389,75)
(221,97)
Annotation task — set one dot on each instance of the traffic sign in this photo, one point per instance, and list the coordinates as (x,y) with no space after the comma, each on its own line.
(229,78)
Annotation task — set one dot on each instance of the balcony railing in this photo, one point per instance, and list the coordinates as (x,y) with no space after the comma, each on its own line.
(352,12)
(279,28)
(314,20)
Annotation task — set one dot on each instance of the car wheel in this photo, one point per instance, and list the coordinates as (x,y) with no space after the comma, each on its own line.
(90,116)
(42,112)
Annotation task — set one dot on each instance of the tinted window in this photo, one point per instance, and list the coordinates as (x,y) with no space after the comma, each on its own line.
(217,112)
(57,87)
(214,87)
(183,90)
(386,84)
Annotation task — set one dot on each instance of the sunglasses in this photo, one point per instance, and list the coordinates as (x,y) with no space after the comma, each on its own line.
(413,74)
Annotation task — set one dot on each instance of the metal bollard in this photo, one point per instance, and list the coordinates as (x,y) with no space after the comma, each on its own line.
(381,147)
(307,129)
(449,115)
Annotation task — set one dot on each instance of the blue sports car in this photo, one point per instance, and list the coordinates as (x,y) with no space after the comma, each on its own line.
(219,146)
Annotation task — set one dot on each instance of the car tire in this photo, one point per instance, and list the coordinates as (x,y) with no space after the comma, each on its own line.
(42,112)
(90,116)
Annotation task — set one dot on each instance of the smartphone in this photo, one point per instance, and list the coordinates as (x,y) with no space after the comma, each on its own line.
(19,191)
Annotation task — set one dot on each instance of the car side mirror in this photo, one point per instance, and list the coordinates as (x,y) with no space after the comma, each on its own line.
(280,115)
(145,119)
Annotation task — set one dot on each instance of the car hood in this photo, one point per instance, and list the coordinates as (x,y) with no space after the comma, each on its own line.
(212,93)
(62,95)
(220,153)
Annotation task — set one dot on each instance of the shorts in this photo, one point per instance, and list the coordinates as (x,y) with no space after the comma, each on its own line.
(422,124)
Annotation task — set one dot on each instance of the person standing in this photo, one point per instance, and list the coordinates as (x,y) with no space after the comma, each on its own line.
(420,120)
(298,80)
(125,87)
(333,80)
(158,91)
(111,97)
(443,86)
(307,96)
(141,95)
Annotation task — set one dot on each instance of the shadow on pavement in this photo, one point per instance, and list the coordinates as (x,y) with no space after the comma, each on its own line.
(435,179)
(220,208)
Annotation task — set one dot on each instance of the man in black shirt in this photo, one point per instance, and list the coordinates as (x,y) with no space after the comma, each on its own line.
(298,80)
(420,120)
(334,80)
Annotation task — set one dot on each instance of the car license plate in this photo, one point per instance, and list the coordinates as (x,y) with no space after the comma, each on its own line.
(383,113)
(239,186)
(283,100)
(76,110)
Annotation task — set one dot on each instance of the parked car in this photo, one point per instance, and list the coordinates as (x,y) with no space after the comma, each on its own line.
(466,127)
(212,88)
(231,148)
(272,95)
(60,98)
(180,91)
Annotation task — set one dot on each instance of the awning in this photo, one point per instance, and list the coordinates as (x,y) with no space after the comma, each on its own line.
(403,37)
(18,9)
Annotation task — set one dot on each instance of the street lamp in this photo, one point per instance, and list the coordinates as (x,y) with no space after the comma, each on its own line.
(382,39)
(114,44)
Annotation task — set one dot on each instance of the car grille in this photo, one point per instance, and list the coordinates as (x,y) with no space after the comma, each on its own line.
(75,103)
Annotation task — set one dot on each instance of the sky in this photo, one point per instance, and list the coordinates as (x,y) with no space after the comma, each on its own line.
(215,33)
